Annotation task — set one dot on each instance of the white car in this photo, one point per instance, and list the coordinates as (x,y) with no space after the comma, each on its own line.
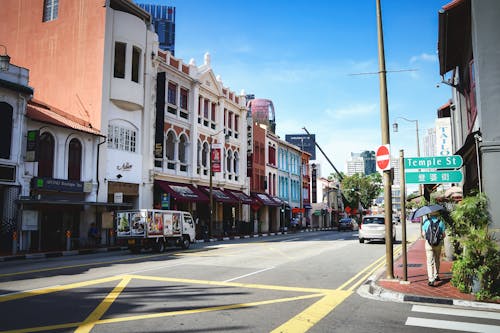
(372,227)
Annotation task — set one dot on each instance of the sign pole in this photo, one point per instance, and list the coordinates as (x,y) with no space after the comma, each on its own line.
(403,213)
(384,119)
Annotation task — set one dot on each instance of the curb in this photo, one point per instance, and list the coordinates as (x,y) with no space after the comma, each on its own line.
(121,248)
(370,289)
(61,253)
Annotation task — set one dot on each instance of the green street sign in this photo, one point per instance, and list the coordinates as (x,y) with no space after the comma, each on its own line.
(434,177)
(434,162)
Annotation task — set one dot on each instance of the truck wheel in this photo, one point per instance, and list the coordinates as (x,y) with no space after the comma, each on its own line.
(185,242)
(159,247)
(361,240)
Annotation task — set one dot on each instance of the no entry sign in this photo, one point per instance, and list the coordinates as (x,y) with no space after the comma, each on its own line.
(383,158)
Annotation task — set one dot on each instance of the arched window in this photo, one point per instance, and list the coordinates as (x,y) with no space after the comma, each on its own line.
(229,161)
(74,160)
(6,112)
(204,158)
(170,150)
(236,163)
(182,152)
(199,156)
(46,157)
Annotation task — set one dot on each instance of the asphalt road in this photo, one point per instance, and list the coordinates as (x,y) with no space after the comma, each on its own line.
(285,283)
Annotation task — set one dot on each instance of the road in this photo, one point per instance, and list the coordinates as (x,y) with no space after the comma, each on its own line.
(286,283)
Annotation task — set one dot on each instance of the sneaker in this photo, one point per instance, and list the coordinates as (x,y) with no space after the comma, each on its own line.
(430,283)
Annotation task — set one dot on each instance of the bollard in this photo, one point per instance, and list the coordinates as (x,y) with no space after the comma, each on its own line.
(14,242)
(68,240)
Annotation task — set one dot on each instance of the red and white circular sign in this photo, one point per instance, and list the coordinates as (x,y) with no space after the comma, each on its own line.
(383,158)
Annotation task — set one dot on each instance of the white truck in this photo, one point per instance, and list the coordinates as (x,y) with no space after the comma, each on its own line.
(154,229)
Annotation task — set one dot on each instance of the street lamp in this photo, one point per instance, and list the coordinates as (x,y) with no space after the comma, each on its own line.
(395,130)
(210,218)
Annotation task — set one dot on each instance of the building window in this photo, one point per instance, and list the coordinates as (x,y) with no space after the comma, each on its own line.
(170,150)
(6,113)
(184,99)
(74,160)
(136,64)
(46,161)
(50,10)
(172,93)
(182,153)
(120,49)
(122,138)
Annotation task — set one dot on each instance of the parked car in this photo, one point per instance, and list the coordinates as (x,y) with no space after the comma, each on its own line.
(348,224)
(373,228)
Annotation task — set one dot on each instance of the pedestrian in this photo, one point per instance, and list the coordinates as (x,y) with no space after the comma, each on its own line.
(433,231)
(93,234)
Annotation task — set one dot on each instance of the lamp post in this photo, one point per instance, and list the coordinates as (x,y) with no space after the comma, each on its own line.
(395,130)
(210,193)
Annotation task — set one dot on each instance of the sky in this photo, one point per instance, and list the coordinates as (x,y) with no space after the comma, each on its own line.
(308,56)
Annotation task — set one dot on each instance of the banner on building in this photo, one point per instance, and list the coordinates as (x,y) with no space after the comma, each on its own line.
(216,157)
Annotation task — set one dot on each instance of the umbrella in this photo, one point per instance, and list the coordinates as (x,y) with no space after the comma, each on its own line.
(426,210)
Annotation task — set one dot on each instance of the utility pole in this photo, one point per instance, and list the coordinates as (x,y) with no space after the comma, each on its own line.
(384,119)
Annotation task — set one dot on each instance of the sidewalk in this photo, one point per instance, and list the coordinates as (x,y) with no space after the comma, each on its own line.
(416,288)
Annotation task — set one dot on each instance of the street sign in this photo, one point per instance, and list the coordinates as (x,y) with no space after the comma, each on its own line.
(383,157)
(434,162)
(434,177)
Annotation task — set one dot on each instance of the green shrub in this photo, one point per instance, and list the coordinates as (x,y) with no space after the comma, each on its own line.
(480,258)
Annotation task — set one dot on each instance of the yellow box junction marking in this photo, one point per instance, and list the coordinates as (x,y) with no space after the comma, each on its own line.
(302,322)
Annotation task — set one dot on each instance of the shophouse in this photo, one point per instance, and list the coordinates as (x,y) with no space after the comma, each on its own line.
(90,61)
(289,179)
(468,47)
(14,96)
(199,158)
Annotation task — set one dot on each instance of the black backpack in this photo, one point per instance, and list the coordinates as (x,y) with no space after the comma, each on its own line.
(433,233)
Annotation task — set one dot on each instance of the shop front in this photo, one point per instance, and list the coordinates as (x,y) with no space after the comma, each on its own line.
(57,215)
(264,212)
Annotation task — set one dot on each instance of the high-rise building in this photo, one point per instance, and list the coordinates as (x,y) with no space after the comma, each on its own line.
(362,163)
(163,20)
(355,165)
(369,159)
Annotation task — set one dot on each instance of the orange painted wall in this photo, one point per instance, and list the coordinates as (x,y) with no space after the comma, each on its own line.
(64,56)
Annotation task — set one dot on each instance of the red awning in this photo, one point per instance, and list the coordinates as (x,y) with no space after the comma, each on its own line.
(265,199)
(219,195)
(182,192)
(240,196)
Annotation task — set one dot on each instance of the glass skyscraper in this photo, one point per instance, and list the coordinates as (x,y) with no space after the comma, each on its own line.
(163,18)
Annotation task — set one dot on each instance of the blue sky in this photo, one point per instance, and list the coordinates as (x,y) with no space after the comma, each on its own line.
(302,54)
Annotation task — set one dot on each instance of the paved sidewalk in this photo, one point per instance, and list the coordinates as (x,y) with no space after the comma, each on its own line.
(416,288)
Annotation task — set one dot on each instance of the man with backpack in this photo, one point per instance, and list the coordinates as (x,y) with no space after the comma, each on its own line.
(433,231)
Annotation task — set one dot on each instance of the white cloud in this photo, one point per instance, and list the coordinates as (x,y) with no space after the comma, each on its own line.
(424,57)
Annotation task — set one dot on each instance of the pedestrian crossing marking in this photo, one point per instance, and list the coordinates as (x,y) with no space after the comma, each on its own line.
(452,325)
(456,312)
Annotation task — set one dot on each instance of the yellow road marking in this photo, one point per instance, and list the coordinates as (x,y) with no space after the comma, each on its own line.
(209,309)
(166,314)
(313,314)
(49,290)
(101,309)
(234,284)
(84,265)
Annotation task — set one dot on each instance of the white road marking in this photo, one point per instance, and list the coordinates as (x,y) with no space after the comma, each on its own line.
(456,312)
(451,325)
(253,273)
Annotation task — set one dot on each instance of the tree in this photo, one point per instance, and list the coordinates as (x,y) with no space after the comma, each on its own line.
(361,189)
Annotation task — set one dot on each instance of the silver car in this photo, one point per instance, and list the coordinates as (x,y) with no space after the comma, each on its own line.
(373,228)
